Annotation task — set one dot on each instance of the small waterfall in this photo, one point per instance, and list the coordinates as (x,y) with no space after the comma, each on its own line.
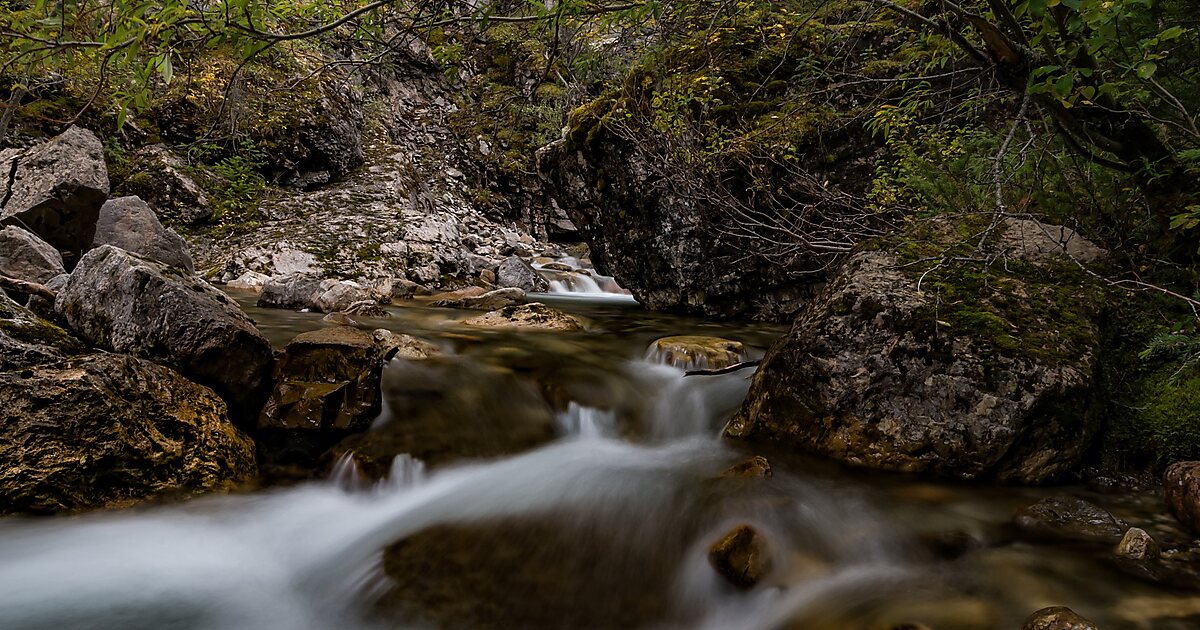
(575,283)
(587,422)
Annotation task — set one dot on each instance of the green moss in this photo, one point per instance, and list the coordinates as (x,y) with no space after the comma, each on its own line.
(41,332)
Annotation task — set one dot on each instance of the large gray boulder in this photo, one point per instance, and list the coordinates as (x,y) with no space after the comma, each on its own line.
(130,224)
(956,370)
(55,189)
(516,273)
(124,303)
(295,292)
(26,257)
(106,430)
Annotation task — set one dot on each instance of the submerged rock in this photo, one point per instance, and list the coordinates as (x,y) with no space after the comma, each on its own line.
(56,189)
(1182,486)
(132,305)
(533,316)
(1070,518)
(516,273)
(1136,544)
(490,301)
(110,429)
(326,379)
(130,224)
(696,352)
(741,557)
(963,372)
(26,257)
(403,346)
(1057,618)
(756,466)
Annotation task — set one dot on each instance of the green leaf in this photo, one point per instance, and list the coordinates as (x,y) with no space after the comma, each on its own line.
(1146,69)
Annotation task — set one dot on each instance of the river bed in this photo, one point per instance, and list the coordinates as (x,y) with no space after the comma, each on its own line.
(607,525)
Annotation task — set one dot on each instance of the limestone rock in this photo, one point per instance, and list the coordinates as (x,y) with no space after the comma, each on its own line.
(26,257)
(342,295)
(877,373)
(136,306)
(296,291)
(403,346)
(514,272)
(1057,618)
(490,301)
(1070,518)
(130,224)
(159,177)
(249,281)
(1182,485)
(741,557)
(1137,545)
(532,316)
(326,379)
(696,352)
(56,189)
(110,429)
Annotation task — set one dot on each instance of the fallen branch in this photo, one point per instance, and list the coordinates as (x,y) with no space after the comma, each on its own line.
(725,370)
(30,288)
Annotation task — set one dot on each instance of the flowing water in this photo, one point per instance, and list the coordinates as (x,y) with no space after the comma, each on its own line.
(604,522)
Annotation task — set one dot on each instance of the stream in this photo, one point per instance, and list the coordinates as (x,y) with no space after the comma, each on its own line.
(606,525)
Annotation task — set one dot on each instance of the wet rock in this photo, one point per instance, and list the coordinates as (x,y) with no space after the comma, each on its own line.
(326,379)
(26,257)
(132,305)
(341,295)
(741,557)
(533,316)
(110,429)
(403,346)
(294,292)
(514,272)
(1136,544)
(1182,486)
(55,189)
(1057,618)
(445,409)
(405,289)
(695,352)
(1070,518)
(130,224)
(27,340)
(367,308)
(880,374)
(490,301)
(456,295)
(339,319)
(756,466)
(557,266)
(158,176)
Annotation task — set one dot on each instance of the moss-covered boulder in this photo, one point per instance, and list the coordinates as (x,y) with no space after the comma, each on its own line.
(110,429)
(921,356)
(27,340)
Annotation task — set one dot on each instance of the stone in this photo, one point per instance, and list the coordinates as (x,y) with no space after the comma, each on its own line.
(327,379)
(880,374)
(741,557)
(26,339)
(159,177)
(755,467)
(294,292)
(43,306)
(1057,618)
(55,189)
(532,316)
(108,430)
(130,224)
(249,281)
(457,295)
(404,289)
(490,301)
(339,319)
(695,352)
(1181,484)
(1070,519)
(403,346)
(26,257)
(1032,240)
(133,305)
(514,272)
(1137,545)
(341,295)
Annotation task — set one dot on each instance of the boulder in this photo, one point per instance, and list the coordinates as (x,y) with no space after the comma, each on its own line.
(295,292)
(1057,618)
(1182,486)
(27,340)
(26,257)
(249,281)
(1136,544)
(533,316)
(130,224)
(133,305)
(403,346)
(159,176)
(110,429)
(344,296)
(55,189)
(327,379)
(514,272)
(490,301)
(741,557)
(695,352)
(953,370)
(1070,519)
